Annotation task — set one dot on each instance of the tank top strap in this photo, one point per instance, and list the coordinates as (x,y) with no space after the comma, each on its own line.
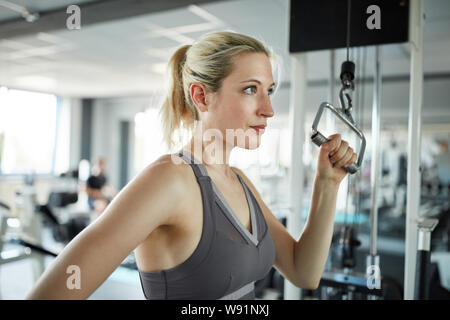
(197,166)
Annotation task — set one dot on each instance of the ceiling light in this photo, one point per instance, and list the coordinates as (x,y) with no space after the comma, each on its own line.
(159,68)
(205,15)
(36,82)
(29,16)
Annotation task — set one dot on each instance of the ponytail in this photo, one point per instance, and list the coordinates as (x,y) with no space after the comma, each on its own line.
(176,110)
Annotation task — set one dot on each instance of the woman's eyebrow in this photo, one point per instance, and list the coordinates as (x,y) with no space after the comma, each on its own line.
(257,81)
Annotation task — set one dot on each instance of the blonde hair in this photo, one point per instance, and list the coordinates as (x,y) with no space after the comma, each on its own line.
(209,61)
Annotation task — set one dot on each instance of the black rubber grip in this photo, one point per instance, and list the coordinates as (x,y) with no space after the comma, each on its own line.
(421,290)
(318,138)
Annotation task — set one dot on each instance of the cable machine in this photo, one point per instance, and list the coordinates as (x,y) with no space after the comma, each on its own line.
(402,22)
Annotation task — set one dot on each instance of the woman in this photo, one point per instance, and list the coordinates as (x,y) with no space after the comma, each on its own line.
(199,228)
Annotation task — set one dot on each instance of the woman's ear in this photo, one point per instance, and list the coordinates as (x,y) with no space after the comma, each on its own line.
(198,94)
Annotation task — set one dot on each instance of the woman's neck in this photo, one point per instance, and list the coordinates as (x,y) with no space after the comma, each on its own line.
(213,154)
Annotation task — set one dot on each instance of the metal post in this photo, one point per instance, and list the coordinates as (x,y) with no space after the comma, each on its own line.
(414,144)
(373,259)
(375,164)
(297,114)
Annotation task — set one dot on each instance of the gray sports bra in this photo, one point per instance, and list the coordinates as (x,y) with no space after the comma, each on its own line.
(228,259)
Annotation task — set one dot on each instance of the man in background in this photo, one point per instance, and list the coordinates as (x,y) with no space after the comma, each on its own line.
(99,192)
(442,162)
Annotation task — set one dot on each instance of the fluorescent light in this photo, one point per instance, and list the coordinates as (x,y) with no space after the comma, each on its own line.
(174,35)
(159,68)
(205,15)
(13,222)
(195,27)
(36,82)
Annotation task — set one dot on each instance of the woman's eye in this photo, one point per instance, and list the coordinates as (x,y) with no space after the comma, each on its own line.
(246,90)
(270,92)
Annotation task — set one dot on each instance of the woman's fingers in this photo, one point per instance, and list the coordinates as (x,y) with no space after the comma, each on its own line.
(352,160)
(340,152)
(335,143)
(341,155)
(345,158)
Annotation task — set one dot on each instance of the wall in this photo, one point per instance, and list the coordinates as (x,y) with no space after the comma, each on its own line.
(106,130)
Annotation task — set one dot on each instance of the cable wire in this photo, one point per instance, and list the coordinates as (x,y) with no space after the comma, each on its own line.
(349,5)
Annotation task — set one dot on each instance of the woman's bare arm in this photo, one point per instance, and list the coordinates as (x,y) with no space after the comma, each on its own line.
(144,204)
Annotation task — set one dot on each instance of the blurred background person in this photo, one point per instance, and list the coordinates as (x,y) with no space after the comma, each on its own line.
(99,191)
(442,163)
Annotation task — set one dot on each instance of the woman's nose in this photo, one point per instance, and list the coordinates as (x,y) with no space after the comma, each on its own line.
(266,106)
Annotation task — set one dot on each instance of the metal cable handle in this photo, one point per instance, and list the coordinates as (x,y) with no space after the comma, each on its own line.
(318,138)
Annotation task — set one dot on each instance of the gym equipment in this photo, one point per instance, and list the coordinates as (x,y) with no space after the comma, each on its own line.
(346,247)
(425,227)
(28,234)
(66,228)
(346,285)
(402,22)
(321,25)
(10,255)
(345,277)
(343,113)
(28,228)
(345,116)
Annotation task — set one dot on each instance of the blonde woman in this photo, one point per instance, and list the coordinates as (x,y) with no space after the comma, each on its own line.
(198,227)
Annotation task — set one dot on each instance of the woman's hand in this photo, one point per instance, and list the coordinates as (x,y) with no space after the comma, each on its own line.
(333,157)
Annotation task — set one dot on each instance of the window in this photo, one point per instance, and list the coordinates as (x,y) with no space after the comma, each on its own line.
(28,126)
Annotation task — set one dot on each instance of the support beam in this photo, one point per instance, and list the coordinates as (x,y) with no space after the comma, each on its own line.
(373,259)
(431,76)
(297,114)
(91,13)
(375,169)
(414,144)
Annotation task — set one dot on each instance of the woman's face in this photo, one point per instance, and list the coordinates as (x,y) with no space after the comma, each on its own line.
(243,101)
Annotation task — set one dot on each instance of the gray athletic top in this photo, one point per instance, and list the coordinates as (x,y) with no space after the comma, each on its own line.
(228,259)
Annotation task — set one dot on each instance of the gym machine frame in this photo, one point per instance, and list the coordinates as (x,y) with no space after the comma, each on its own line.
(297,115)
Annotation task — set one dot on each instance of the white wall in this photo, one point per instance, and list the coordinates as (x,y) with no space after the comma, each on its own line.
(107,114)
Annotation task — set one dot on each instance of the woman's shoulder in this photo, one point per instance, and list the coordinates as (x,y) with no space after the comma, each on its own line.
(156,186)
(168,169)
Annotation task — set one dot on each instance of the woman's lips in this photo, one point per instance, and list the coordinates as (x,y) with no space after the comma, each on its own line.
(259,129)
